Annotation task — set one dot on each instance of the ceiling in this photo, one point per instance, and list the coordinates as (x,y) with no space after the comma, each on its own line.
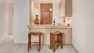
(46,1)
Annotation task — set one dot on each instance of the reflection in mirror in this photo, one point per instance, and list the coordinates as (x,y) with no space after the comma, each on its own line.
(47,11)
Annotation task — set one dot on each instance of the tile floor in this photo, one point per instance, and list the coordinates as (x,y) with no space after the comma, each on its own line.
(7,46)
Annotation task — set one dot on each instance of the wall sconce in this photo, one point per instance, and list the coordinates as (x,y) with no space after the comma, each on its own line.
(50,9)
(36,8)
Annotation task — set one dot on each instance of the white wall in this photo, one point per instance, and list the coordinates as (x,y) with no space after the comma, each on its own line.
(21,20)
(83,26)
(10,17)
(3,19)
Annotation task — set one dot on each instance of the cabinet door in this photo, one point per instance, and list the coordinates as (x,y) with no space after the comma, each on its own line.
(62,8)
(68,8)
(68,36)
(65,8)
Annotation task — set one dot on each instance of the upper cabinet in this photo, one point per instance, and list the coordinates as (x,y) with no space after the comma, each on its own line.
(68,8)
(65,7)
(62,8)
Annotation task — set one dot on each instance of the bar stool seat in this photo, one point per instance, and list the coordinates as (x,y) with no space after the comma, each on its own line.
(56,39)
(29,39)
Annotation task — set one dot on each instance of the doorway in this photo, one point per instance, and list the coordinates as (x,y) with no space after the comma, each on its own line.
(46,13)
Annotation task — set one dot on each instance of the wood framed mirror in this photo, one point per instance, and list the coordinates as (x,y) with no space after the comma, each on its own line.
(45,12)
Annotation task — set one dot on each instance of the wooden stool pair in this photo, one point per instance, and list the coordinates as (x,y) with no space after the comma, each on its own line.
(56,39)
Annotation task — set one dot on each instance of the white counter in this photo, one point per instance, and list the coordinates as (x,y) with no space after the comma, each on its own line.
(46,29)
(46,26)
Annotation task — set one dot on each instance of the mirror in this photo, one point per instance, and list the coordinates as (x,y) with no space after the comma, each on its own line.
(47,12)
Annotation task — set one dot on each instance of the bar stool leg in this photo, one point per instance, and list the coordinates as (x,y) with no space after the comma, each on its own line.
(51,38)
(61,41)
(28,44)
(39,42)
(54,43)
(29,41)
(58,39)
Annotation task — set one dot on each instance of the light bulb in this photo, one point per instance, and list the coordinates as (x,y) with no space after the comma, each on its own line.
(50,9)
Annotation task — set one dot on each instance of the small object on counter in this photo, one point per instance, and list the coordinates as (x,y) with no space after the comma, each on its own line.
(59,23)
(37,20)
(54,22)
(68,25)
(64,20)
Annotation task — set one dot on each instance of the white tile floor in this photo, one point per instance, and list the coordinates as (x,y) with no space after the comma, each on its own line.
(7,46)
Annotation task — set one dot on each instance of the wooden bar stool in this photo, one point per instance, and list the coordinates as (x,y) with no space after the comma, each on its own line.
(56,39)
(29,39)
